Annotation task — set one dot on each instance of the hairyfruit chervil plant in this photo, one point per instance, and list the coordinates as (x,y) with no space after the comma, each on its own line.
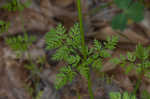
(69,49)
(138,60)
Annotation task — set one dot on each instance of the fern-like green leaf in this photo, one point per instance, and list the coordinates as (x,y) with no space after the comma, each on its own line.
(131,57)
(97,45)
(20,43)
(74,60)
(66,75)
(54,38)
(105,54)
(97,64)
(115,95)
(61,80)
(141,52)
(118,95)
(4,26)
(111,42)
(16,5)
(61,54)
(128,96)
(74,35)
(83,70)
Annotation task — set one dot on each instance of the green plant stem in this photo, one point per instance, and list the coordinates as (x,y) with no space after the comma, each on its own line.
(84,47)
(138,82)
(78,95)
(90,88)
(81,29)
(137,86)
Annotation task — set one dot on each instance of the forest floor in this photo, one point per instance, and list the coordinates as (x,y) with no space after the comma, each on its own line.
(39,18)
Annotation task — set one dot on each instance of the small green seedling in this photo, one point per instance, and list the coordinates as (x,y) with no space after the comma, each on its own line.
(39,95)
(15,5)
(20,44)
(118,95)
(130,10)
(145,95)
(138,60)
(4,26)
(68,49)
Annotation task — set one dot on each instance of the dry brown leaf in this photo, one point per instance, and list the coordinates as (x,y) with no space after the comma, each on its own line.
(145,24)
(12,81)
(123,81)
(31,20)
(50,10)
(62,3)
(107,65)
(128,36)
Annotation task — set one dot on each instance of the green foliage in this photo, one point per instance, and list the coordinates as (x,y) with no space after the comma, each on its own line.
(66,75)
(111,43)
(141,52)
(41,60)
(4,26)
(115,61)
(33,69)
(119,22)
(68,49)
(138,60)
(54,38)
(29,89)
(39,95)
(130,10)
(131,57)
(115,95)
(145,95)
(15,5)
(20,44)
(83,69)
(31,92)
(97,64)
(142,55)
(123,4)
(34,77)
(118,95)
